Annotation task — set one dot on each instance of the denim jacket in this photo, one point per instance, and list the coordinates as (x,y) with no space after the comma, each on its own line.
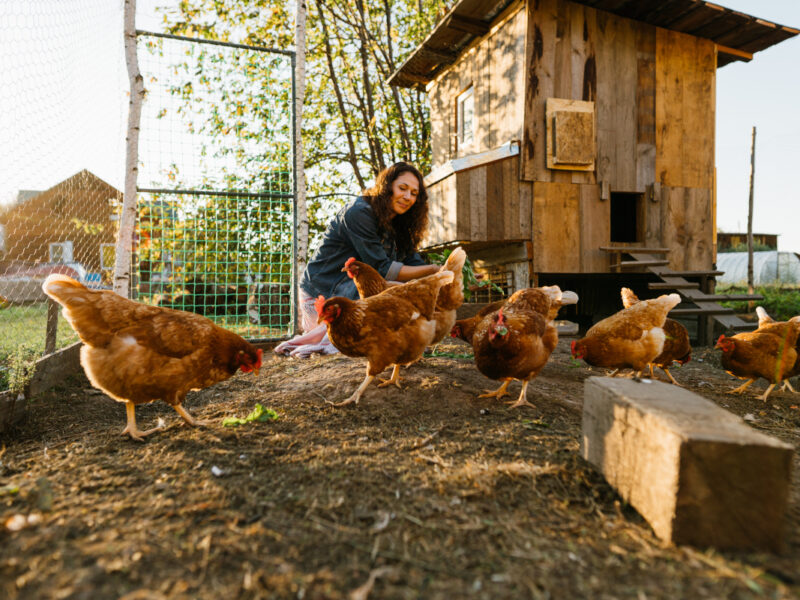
(354,231)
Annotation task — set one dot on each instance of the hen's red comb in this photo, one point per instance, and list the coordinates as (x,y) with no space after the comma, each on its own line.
(722,337)
(349,261)
(319,303)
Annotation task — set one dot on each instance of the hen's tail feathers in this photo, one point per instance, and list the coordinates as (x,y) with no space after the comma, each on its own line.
(568,297)
(455,262)
(763,317)
(63,289)
(628,297)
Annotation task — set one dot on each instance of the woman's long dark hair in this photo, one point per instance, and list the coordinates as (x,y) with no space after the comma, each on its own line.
(409,228)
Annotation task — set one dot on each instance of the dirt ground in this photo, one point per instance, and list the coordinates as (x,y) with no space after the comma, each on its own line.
(427,492)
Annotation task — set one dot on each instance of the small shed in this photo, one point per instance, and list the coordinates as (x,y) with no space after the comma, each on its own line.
(566,131)
(75,221)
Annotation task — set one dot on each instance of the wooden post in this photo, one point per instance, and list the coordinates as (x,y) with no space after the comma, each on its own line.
(750,288)
(301,213)
(127,221)
(52,326)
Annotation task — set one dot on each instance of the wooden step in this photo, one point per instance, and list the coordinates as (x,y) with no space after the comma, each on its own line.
(686,285)
(706,311)
(638,263)
(636,249)
(670,273)
(723,297)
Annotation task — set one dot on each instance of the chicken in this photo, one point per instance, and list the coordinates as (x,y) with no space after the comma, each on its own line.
(369,282)
(753,354)
(390,328)
(464,328)
(516,340)
(137,353)
(768,324)
(676,345)
(631,338)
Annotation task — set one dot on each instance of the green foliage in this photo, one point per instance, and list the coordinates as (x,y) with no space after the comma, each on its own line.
(354,124)
(470,280)
(757,247)
(21,366)
(781,302)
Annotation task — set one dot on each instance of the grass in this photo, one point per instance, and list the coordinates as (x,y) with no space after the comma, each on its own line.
(23,328)
(782,302)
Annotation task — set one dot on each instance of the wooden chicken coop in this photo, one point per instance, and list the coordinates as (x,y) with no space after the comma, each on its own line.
(575,139)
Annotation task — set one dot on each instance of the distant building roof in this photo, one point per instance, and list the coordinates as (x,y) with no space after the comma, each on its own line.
(23,195)
(739,35)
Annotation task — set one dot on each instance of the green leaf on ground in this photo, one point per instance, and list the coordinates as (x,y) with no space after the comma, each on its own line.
(259,414)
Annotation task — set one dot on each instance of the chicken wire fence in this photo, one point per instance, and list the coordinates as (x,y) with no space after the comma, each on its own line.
(216,205)
(62,142)
(215,231)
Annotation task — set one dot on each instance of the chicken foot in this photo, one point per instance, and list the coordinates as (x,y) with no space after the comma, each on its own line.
(742,388)
(131,429)
(395,379)
(357,394)
(522,400)
(189,418)
(765,395)
(499,392)
(787,385)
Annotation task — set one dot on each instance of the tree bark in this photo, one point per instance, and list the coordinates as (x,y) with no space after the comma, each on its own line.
(300,176)
(750,287)
(127,221)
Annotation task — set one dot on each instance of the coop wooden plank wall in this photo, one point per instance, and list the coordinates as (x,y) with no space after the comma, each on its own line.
(494,66)
(486,203)
(654,95)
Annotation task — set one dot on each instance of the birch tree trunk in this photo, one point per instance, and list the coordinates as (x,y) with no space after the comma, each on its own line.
(127,221)
(300,176)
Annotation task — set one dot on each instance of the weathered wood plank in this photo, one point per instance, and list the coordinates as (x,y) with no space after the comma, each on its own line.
(540,62)
(477,187)
(595,226)
(495,202)
(697,473)
(556,222)
(463,206)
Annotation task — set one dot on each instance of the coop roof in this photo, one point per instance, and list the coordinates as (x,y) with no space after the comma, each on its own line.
(739,35)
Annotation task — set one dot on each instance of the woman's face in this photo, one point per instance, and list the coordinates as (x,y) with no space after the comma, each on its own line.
(404,192)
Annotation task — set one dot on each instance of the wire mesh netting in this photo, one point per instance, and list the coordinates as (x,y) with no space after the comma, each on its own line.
(215,227)
(62,142)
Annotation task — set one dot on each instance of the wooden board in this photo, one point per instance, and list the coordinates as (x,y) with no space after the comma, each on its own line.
(556,228)
(687,227)
(685,82)
(570,132)
(595,228)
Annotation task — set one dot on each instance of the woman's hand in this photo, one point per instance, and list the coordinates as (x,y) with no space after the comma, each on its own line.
(408,273)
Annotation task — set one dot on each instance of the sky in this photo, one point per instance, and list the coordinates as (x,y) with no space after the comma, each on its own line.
(63,107)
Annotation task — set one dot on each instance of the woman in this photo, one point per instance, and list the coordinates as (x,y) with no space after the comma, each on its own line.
(381,228)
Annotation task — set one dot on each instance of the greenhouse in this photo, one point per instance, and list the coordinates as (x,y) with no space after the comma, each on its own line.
(768,267)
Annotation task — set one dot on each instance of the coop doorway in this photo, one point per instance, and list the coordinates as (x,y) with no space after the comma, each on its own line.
(627,220)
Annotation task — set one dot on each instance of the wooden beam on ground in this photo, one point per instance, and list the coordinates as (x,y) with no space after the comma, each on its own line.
(696,472)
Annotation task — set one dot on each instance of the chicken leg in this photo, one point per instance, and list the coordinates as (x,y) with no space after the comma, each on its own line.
(357,394)
(395,379)
(787,385)
(188,418)
(671,378)
(499,392)
(522,400)
(765,395)
(131,429)
(742,387)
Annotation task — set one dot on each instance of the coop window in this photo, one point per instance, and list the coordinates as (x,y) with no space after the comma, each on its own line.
(465,117)
(61,252)
(108,255)
(625,216)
